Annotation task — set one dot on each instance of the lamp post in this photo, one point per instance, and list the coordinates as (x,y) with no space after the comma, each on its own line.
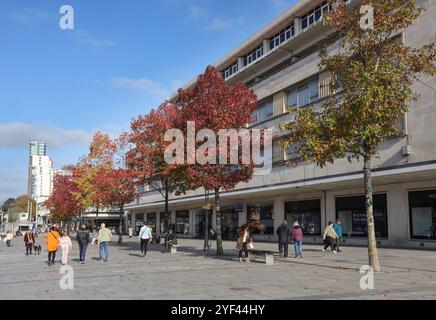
(206,219)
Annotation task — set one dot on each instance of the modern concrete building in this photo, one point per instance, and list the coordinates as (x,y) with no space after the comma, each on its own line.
(280,63)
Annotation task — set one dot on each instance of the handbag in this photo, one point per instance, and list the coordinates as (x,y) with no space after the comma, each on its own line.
(250,245)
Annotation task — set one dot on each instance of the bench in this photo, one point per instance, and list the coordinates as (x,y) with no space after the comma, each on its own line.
(269,255)
(173,248)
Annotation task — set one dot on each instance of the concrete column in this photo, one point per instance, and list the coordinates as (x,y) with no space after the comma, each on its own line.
(279,213)
(265,46)
(331,210)
(398,215)
(173,217)
(133,222)
(240,63)
(158,222)
(297,25)
(242,216)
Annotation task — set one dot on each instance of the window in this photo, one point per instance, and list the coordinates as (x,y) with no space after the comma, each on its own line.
(278,153)
(315,15)
(261,218)
(263,112)
(253,56)
(307,213)
(351,210)
(303,95)
(151,221)
(283,36)
(182,222)
(422,207)
(230,71)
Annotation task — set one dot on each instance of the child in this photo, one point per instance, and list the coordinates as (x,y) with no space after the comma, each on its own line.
(66,246)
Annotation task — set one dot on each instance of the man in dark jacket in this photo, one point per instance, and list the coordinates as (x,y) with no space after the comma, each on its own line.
(283,232)
(83,238)
(29,241)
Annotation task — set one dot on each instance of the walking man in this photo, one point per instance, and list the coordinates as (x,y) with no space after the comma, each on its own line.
(338,229)
(29,241)
(283,232)
(83,238)
(330,237)
(104,237)
(144,236)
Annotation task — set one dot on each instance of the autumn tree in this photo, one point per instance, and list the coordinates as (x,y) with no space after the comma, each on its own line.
(147,155)
(214,105)
(373,75)
(63,204)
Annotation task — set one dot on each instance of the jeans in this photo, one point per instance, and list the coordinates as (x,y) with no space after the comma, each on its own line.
(82,251)
(51,256)
(244,248)
(298,246)
(29,248)
(104,248)
(144,244)
(337,243)
(8,243)
(283,248)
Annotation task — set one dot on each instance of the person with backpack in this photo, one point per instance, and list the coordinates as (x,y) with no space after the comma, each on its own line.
(330,237)
(83,238)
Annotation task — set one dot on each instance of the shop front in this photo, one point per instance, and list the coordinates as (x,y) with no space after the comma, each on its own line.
(422,211)
(182,223)
(260,217)
(307,213)
(229,223)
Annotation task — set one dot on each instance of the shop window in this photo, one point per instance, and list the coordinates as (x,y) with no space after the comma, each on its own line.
(261,218)
(307,213)
(422,207)
(352,212)
(182,222)
(151,221)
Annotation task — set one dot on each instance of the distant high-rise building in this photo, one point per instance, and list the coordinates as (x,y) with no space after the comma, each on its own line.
(40,175)
(37,148)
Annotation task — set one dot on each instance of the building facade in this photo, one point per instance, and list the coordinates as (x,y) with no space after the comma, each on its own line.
(280,63)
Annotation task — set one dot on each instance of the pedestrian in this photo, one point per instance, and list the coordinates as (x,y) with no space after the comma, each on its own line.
(330,237)
(83,238)
(130,232)
(242,242)
(144,236)
(52,241)
(9,237)
(297,239)
(338,229)
(104,237)
(66,246)
(283,234)
(170,240)
(29,241)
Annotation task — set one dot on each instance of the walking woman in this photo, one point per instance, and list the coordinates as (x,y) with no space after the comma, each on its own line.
(330,237)
(83,238)
(29,241)
(66,246)
(52,241)
(9,237)
(297,239)
(242,242)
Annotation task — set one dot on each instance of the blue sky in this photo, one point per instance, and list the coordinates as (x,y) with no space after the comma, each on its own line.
(122,58)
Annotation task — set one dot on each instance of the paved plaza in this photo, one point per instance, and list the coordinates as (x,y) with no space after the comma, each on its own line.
(189,274)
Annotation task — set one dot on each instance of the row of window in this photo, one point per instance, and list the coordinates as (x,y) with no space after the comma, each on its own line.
(351,211)
(253,56)
(281,37)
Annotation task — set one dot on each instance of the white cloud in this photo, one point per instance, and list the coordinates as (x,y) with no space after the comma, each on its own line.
(31,16)
(197,13)
(140,85)
(85,37)
(18,134)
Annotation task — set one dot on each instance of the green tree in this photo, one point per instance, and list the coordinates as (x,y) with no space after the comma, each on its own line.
(373,76)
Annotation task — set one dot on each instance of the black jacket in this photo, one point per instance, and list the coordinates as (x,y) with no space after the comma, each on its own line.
(83,237)
(283,233)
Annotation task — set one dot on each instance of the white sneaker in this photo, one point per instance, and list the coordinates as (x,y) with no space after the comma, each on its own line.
(334,251)
(323,250)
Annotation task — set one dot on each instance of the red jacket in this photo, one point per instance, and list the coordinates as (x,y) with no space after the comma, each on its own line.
(297,234)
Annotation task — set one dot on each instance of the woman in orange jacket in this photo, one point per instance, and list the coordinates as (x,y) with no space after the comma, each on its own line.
(52,241)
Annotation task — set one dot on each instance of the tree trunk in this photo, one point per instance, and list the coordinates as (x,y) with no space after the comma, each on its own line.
(219,242)
(372,242)
(120,228)
(166,204)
